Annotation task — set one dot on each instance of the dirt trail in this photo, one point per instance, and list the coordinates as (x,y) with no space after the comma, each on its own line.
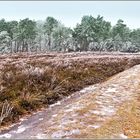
(80,114)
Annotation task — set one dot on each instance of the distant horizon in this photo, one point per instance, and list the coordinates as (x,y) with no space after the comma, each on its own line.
(70,13)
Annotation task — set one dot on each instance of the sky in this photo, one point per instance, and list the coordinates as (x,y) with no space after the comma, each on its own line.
(71,12)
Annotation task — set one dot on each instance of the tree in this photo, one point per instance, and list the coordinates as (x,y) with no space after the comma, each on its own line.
(49,25)
(40,34)
(135,36)
(4,42)
(3,25)
(91,30)
(26,33)
(92,33)
(122,30)
(61,37)
(12,30)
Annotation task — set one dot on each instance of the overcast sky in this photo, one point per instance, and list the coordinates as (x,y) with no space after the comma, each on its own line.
(70,12)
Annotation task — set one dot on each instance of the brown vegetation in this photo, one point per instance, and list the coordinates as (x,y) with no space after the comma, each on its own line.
(29,82)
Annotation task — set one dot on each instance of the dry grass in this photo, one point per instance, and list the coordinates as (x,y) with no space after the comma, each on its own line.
(126,121)
(29,82)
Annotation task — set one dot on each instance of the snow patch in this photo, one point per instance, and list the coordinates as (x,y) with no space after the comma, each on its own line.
(60,133)
(54,115)
(23,119)
(68,97)
(34,113)
(57,103)
(74,107)
(88,89)
(41,136)
(107,111)
(94,126)
(111,89)
(21,129)
(40,119)
(7,135)
(95,112)
(74,131)
(123,136)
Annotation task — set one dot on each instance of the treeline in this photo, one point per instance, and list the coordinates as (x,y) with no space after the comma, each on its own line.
(92,34)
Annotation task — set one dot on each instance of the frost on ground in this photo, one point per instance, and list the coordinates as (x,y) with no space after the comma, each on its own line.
(91,110)
(123,136)
(7,136)
(94,126)
(61,134)
(41,119)
(21,129)
(40,136)
(57,103)
(84,115)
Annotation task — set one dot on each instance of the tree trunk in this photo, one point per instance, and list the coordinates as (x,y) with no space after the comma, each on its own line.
(18,46)
(11,46)
(84,45)
(23,46)
(40,45)
(49,43)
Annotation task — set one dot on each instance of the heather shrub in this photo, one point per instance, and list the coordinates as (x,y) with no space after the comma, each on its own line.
(35,81)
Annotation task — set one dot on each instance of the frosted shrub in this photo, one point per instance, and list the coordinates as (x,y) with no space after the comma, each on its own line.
(34,71)
(6,111)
